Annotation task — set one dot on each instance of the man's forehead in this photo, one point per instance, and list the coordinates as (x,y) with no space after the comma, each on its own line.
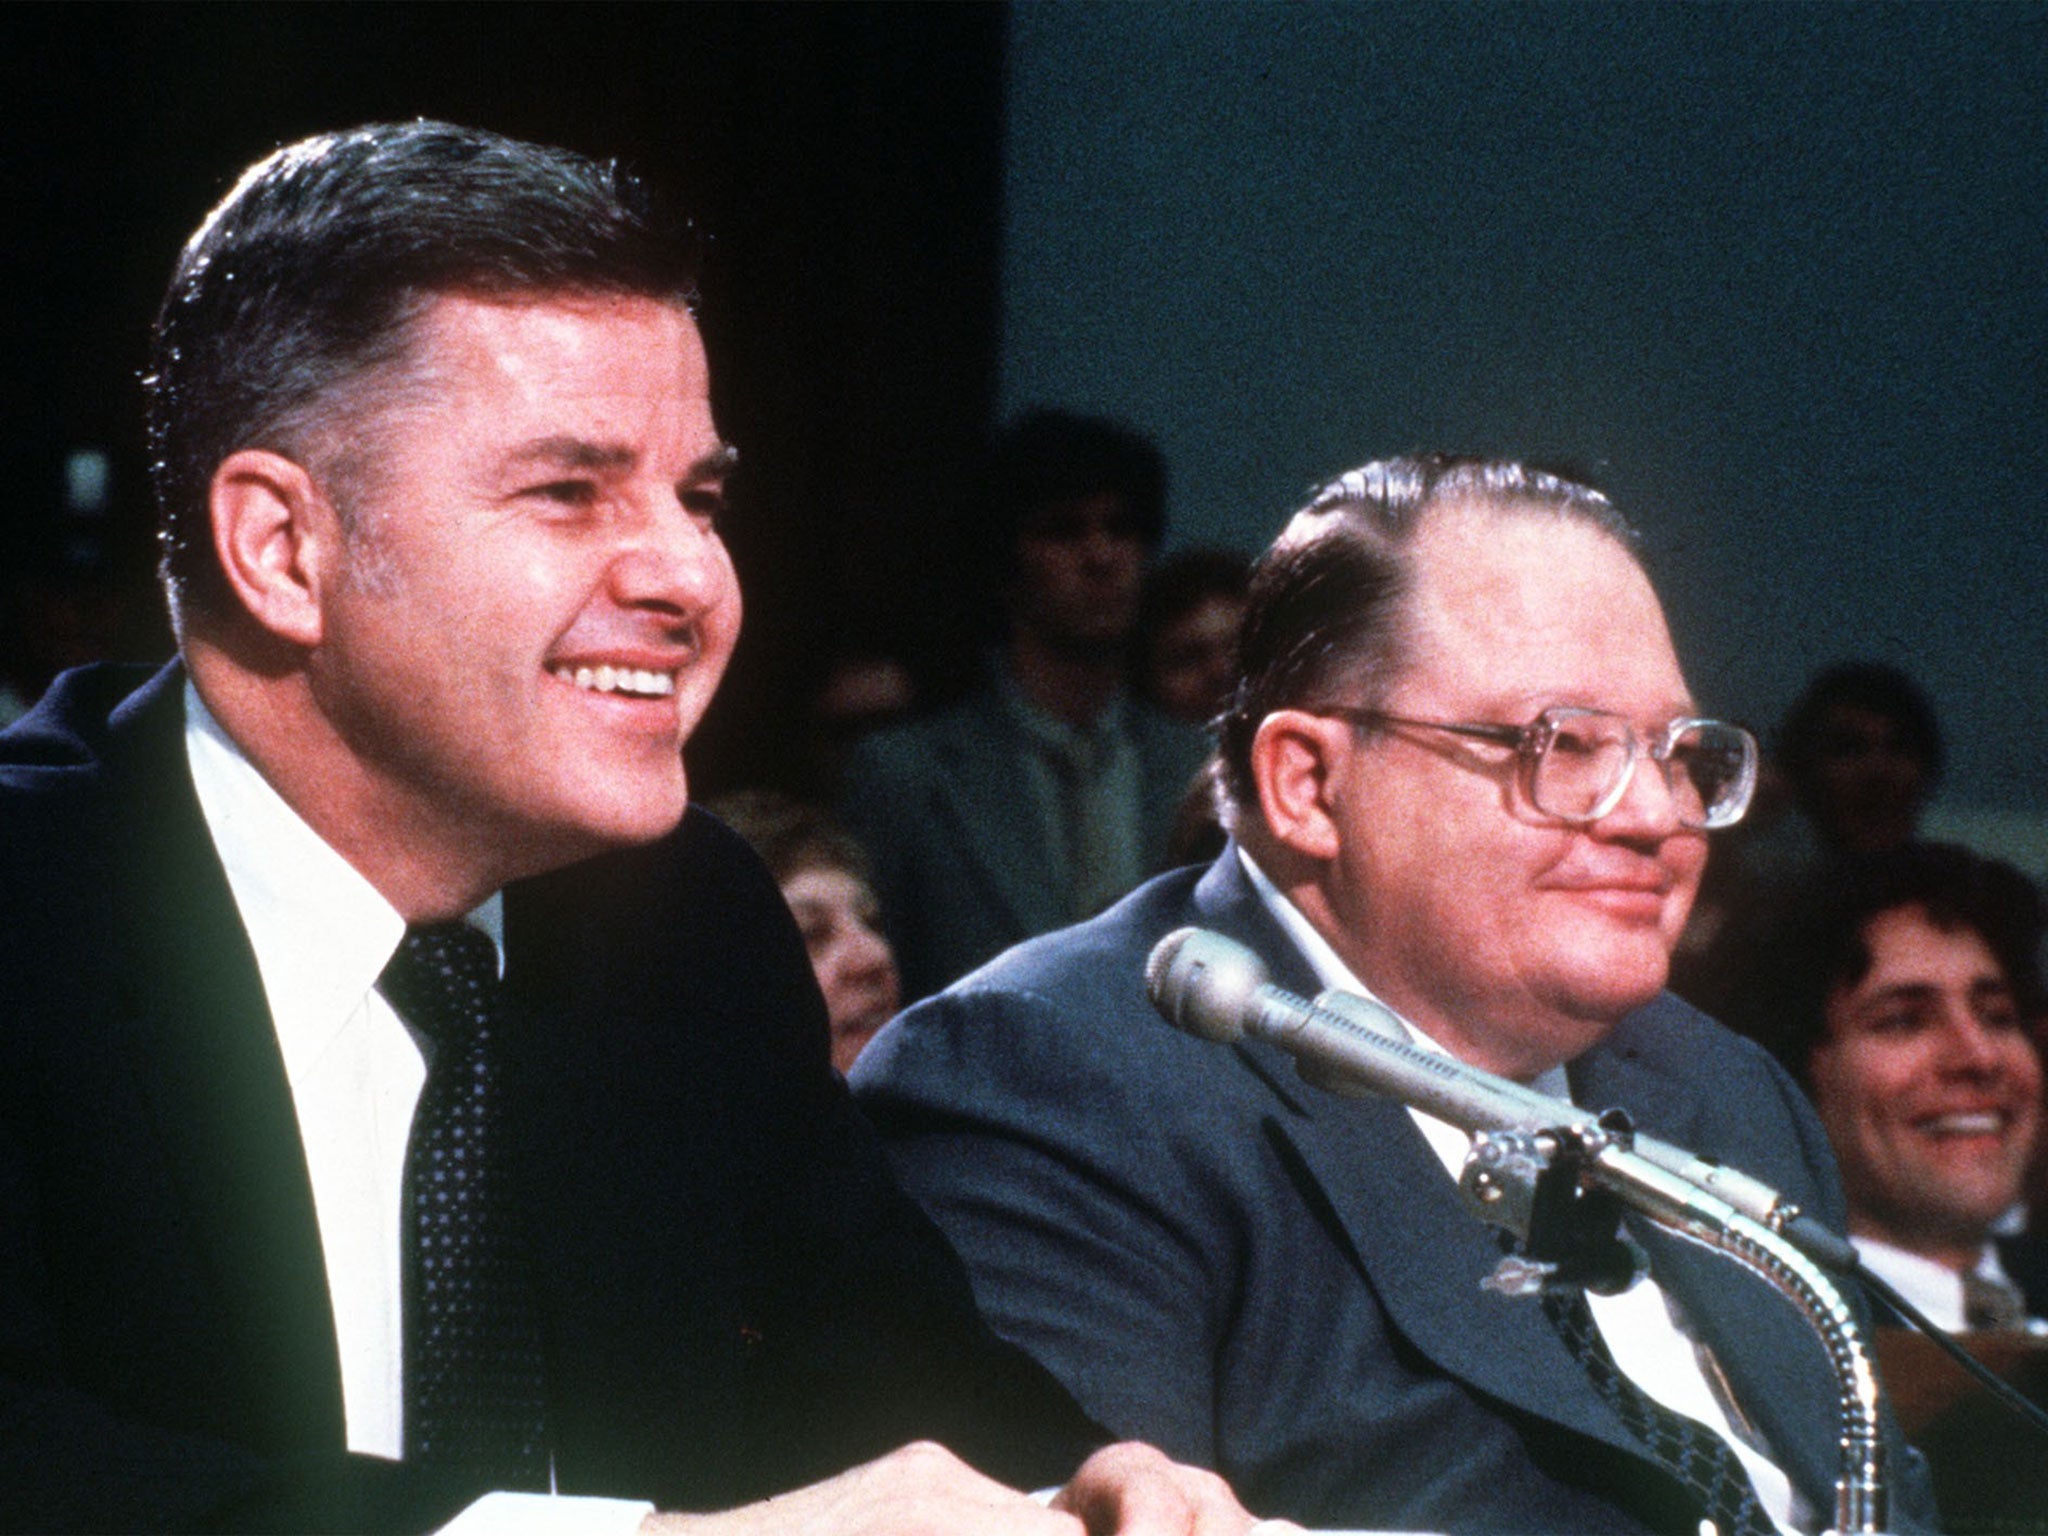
(1528,605)
(460,330)
(572,380)
(1910,938)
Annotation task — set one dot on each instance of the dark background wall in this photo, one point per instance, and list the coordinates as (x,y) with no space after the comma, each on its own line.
(1777,273)
(846,160)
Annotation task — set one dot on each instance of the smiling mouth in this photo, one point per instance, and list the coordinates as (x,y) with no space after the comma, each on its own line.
(630,682)
(1975,1123)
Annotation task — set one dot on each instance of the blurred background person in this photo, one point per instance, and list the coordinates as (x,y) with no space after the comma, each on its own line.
(1187,633)
(845,691)
(1861,751)
(823,875)
(1899,992)
(1050,789)
(1855,762)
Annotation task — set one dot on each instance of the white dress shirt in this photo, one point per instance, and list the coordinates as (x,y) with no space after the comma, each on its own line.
(322,935)
(1929,1285)
(1646,1330)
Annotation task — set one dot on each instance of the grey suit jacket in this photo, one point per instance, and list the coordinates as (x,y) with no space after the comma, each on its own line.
(959,859)
(1282,1284)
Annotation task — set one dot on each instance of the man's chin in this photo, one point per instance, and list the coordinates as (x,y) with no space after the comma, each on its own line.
(1616,978)
(623,817)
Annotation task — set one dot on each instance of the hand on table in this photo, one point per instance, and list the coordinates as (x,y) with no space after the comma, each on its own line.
(925,1490)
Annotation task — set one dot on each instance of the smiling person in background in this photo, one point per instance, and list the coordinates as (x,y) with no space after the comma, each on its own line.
(823,875)
(1899,991)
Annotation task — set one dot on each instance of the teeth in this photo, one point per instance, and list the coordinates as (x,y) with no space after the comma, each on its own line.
(636,681)
(1984,1124)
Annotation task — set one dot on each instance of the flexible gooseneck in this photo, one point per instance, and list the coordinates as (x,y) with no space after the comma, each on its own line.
(1684,1209)
(1215,988)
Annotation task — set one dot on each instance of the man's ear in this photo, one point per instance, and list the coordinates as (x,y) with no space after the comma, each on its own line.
(1295,757)
(276,535)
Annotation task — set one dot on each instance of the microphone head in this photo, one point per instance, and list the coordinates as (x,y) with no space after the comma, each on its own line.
(1204,983)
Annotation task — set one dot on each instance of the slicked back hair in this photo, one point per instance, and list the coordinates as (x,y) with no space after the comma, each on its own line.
(1328,601)
(305,284)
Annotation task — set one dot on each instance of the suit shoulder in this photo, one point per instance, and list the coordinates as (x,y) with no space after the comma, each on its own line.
(1069,1002)
(1670,1029)
(73,725)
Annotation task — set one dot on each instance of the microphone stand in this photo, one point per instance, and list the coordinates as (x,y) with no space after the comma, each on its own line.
(1549,1172)
(1556,1190)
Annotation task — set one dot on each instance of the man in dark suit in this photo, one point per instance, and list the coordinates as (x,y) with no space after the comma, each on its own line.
(309,1218)
(1465,776)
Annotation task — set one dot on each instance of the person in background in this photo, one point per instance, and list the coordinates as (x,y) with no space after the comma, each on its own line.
(1187,633)
(1899,992)
(1466,777)
(1862,751)
(1050,790)
(1858,756)
(823,875)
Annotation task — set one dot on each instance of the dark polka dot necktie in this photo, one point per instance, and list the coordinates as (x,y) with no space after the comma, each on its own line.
(1692,1453)
(475,1383)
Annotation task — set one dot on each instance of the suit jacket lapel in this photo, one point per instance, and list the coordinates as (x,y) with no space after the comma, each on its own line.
(1780,1377)
(208,1055)
(1409,1233)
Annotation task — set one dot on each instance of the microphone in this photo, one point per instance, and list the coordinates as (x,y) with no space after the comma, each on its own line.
(1217,989)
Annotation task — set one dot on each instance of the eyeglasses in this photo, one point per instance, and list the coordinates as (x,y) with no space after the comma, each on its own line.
(1577,763)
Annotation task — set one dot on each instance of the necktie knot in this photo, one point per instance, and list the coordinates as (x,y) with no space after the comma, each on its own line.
(443,980)
(1992,1302)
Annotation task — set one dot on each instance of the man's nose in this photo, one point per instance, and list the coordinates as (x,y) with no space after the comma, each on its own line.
(1648,807)
(1104,545)
(1969,1046)
(668,557)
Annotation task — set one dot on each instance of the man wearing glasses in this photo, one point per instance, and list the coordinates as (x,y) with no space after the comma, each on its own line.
(1464,775)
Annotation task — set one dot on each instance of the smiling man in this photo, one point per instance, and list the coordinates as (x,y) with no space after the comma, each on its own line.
(1899,991)
(1465,775)
(412,1110)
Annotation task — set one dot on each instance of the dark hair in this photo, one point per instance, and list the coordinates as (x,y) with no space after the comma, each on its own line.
(1778,971)
(310,274)
(1048,458)
(1185,580)
(790,835)
(1883,690)
(1325,608)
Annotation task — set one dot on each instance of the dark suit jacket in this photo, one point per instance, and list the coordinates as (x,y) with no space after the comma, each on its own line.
(1283,1284)
(959,859)
(737,1298)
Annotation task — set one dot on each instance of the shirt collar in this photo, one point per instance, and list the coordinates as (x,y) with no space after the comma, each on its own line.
(1050,731)
(322,933)
(1928,1284)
